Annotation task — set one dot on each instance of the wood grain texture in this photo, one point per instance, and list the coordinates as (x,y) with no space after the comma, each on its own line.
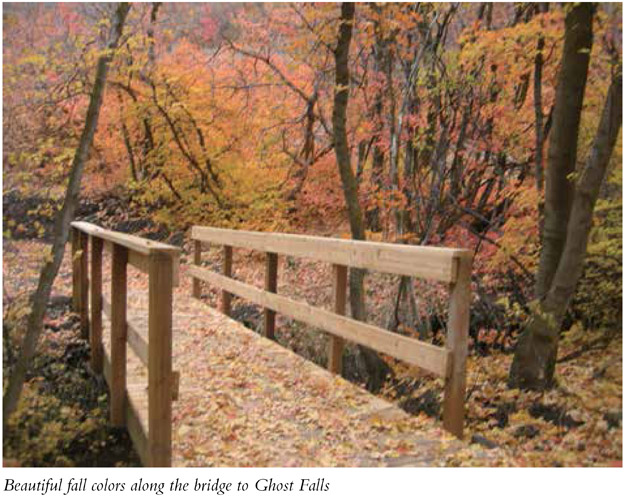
(336,344)
(160,360)
(84,285)
(75,270)
(131,242)
(409,260)
(95,330)
(226,298)
(271,285)
(429,357)
(140,260)
(139,346)
(118,335)
(197,260)
(134,424)
(457,343)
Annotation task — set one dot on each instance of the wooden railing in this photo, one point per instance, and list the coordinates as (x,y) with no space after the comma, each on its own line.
(161,263)
(451,266)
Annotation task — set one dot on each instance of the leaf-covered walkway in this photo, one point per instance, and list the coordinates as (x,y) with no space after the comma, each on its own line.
(247,401)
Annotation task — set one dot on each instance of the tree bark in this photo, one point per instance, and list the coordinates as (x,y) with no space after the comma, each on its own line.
(376,369)
(536,353)
(62,224)
(562,154)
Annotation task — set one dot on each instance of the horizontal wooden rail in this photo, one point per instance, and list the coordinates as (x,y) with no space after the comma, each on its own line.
(136,428)
(139,346)
(424,262)
(139,249)
(427,356)
(452,266)
(135,339)
(160,262)
(129,241)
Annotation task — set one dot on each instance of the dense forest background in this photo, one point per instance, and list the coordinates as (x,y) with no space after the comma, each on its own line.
(229,115)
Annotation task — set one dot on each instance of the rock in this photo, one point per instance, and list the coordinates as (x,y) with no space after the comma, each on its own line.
(614,419)
(528,431)
(483,441)
(554,414)
(501,415)
(427,403)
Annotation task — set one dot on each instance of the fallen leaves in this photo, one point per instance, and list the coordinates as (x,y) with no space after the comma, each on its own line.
(245,401)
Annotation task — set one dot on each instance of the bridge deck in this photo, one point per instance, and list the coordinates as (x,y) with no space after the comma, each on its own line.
(247,401)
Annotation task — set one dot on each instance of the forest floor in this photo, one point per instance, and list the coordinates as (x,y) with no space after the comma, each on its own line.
(577,423)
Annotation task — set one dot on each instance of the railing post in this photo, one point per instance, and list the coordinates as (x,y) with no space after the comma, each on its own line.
(335,353)
(457,343)
(84,285)
(197,260)
(226,297)
(95,330)
(75,270)
(271,285)
(118,335)
(160,360)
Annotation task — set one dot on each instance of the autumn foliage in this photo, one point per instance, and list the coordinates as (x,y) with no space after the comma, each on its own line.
(221,115)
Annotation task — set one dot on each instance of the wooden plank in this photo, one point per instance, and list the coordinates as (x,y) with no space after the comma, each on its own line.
(175,385)
(95,331)
(118,335)
(429,357)
(139,346)
(409,260)
(226,298)
(457,343)
(76,270)
(135,427)
(131,242)
(139,260)
(197,260)
(142,263)
(84,285)
(271,285)
(160,360)
(335,353)
(137,342)
(137,430)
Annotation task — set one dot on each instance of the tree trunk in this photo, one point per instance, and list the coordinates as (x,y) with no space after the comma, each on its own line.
(62,224)
(535,357)
(562,154)
(376,369)
(381,61)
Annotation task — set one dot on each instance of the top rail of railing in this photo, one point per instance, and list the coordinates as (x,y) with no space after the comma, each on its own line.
(435,263)
(134,243)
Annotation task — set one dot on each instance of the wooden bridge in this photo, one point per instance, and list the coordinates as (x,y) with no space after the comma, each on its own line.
(196,385)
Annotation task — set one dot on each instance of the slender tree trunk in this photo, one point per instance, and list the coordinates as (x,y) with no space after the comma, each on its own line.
(562,154)
(381,60)
(307,154)
(539,172)
(62,225)
(376,369)
(536,353)
(538,114)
